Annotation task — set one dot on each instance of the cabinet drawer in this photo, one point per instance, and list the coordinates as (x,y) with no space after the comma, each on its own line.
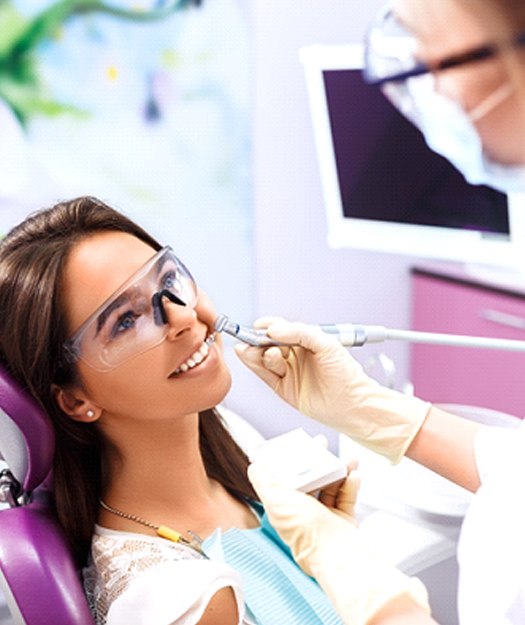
(483,377)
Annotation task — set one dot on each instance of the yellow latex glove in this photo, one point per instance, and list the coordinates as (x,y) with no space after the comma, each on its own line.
(327,545)
(322,380)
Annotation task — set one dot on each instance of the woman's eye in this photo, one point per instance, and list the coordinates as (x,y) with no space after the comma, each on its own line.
(124,323)
(169,280)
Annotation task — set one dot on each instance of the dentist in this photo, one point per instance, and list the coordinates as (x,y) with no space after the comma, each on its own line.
(456,69)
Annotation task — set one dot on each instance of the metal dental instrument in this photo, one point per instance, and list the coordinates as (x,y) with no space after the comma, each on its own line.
(252,336)
(356,335)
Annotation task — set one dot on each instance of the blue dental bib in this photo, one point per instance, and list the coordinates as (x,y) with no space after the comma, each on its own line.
(276,590)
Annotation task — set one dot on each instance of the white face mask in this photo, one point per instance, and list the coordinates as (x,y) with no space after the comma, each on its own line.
(450,131)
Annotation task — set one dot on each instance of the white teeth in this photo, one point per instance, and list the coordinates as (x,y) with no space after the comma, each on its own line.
(198,357)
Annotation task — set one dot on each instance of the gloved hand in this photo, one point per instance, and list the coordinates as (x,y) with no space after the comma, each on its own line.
(320,378)
(330,548)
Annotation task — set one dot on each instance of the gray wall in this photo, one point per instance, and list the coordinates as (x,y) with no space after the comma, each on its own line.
(297,275)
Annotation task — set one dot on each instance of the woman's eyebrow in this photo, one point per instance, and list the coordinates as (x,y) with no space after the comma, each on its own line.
(161,262)
(124,297)
(102,318)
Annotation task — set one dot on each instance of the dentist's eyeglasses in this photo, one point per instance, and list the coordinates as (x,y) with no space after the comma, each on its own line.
(133,319)
(390,52)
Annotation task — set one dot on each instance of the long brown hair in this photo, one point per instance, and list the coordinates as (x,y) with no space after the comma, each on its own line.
(32,333)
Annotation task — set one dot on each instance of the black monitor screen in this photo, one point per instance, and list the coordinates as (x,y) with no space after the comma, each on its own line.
(387,172)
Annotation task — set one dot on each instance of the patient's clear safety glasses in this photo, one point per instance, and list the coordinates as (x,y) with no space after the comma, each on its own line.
(133,319)
(391,52)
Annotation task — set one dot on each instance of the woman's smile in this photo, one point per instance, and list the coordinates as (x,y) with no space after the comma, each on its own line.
(198,356)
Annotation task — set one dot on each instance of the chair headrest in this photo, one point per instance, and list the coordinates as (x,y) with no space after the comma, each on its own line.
(27,440)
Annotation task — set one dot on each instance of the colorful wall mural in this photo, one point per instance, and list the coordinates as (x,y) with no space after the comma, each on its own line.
(150,115)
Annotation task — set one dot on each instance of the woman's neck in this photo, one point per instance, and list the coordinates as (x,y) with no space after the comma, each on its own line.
(156,472)
(149,458)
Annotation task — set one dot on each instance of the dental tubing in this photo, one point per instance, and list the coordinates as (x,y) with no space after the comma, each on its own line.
(356,335)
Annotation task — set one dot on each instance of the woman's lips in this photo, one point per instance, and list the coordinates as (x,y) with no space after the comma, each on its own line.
(197,357)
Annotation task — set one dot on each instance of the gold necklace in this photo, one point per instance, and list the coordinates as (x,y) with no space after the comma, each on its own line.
(161,530)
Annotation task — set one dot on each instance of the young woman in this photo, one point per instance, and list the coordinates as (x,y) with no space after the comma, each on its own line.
(456,68)
(111,335)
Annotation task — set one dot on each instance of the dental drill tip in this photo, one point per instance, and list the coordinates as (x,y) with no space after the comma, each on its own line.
(221,322)
(251,336)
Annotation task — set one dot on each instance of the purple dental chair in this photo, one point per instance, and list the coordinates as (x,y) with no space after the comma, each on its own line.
(38,576)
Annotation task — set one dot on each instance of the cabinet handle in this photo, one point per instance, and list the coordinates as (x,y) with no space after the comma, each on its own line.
(503,319)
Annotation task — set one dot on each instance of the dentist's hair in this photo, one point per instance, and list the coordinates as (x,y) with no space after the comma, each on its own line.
(511,11)
(32,332)
(500,18)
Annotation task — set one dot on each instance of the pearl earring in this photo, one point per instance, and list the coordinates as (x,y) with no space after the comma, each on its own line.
(90,414)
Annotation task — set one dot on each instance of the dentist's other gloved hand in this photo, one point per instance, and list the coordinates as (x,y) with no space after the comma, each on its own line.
(327,545)
(320,378)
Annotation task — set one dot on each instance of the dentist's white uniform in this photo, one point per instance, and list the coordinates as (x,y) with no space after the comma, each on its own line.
(491,550)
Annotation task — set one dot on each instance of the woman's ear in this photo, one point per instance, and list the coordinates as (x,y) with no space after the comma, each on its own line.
(75,404)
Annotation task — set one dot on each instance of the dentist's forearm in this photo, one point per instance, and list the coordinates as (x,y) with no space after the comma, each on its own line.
(445,444)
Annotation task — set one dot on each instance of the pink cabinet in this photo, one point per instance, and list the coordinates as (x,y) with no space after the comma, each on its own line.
(452,303)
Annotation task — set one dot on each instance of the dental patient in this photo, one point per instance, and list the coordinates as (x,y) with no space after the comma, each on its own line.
(110,334)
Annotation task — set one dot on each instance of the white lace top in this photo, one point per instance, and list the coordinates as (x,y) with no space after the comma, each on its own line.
(134,579)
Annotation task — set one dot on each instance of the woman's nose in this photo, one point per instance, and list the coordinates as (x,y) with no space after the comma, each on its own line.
(178,316)
(158,303)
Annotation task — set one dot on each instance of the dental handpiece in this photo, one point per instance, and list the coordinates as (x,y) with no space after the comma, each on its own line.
(252,336)
(356,335)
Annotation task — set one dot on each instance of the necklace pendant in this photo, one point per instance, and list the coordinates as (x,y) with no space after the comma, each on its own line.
(166,532)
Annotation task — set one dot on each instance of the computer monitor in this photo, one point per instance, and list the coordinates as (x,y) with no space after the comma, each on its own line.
(384,189)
